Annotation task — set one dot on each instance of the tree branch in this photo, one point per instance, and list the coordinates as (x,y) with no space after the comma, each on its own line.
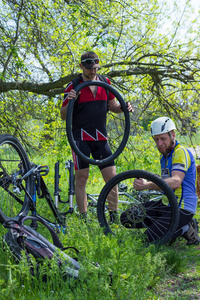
(57,87)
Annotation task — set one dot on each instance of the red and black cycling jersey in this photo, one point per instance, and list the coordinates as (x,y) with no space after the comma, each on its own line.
(89,115)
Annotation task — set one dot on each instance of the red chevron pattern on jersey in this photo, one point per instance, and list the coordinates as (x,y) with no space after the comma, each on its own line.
(100,136)
(85,136)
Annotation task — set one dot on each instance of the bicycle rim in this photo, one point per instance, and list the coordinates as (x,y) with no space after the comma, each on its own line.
(14,163)
(118,126)
(150,216)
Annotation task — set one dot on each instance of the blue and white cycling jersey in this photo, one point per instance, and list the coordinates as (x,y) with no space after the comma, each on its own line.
(181,159)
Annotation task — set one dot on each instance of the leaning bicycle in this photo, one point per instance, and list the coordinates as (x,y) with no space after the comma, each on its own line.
(150,215)
(22,187)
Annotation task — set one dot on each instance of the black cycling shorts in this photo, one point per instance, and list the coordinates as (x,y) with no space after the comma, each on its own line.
(98,149)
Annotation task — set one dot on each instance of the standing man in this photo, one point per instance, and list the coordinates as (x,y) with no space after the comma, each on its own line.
(89,129)
(178,169)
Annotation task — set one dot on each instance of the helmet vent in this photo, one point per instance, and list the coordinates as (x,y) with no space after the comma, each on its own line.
(163,126)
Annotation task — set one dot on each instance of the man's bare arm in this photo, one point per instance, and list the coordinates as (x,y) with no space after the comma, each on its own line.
(174,182)
(63,110)
(116,108)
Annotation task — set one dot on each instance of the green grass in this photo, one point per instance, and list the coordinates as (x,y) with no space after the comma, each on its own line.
(128,270)
(137,272)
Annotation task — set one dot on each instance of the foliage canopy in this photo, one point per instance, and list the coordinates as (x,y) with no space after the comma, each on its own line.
(148,49)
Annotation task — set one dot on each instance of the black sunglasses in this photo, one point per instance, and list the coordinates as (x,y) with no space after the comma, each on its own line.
(90,61)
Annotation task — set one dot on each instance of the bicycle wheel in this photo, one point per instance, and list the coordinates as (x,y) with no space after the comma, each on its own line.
(14,163)
(149,215)
(118,128)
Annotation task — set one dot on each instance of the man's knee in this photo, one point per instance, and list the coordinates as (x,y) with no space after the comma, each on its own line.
(108,173)
(81,177)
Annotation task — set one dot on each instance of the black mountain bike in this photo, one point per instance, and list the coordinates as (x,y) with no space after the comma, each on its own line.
(22,185)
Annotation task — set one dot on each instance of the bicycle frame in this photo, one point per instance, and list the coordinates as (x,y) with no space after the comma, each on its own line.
(39,184)
(40,190)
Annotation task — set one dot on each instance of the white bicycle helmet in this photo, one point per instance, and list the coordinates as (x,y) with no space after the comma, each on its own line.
(162,125)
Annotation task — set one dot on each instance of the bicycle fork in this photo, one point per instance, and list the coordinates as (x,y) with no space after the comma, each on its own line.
(71,186)
(70,166)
